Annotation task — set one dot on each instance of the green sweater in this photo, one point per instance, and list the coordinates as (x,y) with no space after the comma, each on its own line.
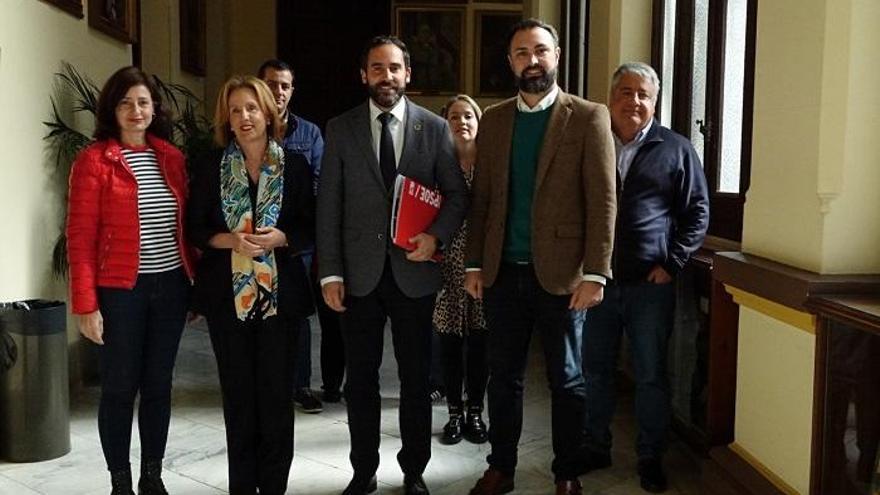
(528,137)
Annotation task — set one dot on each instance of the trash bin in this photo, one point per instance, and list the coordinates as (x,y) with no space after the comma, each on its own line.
(34,391)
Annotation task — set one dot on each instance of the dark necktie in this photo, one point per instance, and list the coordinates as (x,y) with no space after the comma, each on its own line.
(386,152)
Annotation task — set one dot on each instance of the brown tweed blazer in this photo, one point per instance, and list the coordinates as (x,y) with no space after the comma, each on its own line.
(574,204)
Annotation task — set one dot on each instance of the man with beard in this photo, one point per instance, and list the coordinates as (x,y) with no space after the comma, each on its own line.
(368,279)
(539,248)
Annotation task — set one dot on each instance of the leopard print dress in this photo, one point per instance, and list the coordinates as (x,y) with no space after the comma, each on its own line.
(455,311)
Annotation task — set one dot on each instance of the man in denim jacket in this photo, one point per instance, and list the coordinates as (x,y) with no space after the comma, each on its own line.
(304,137)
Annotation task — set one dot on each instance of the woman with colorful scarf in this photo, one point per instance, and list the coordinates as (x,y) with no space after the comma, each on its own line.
(251,213)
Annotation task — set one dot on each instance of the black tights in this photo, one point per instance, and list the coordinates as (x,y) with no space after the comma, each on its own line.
(464,359)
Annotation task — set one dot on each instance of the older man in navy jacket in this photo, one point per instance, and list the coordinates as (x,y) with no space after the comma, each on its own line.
(662,217)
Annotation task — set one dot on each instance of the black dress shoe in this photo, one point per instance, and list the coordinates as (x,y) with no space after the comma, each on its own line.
(452,429)
(474,428)
(413,484)
(307,400)
(651,476)
(360,486)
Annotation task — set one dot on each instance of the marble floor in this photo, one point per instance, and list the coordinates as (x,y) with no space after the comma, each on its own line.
(195,461)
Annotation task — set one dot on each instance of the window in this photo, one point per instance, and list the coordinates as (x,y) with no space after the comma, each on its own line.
(704,53)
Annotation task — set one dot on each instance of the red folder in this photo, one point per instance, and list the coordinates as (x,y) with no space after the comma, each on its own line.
(414,209)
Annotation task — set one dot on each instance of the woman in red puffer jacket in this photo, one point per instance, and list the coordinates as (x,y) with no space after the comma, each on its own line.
(130,269)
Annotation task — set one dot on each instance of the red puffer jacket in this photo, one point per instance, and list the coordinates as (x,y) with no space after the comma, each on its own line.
(103,227)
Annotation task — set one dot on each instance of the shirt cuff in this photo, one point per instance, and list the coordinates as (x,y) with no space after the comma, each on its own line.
(475,269)
(332,278)
(589,277)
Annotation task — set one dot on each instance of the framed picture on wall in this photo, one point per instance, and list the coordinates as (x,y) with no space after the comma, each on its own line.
(436,2)
(492,69)
(73,7)
(117,18)
(192,36)
(435,39)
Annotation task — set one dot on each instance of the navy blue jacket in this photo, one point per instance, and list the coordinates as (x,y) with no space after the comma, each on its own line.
(662,207)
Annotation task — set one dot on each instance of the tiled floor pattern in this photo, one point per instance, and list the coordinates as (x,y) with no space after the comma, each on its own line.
(195,461)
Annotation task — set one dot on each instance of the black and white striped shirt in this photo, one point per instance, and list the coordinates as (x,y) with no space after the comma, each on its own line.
(157,211)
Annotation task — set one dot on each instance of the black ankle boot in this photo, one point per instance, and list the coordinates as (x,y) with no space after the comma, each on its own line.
(120,481)
(474,428)
(151,479)
(452,430)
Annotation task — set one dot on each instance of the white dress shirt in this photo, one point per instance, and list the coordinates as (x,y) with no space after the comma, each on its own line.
(546,102)
(397,126)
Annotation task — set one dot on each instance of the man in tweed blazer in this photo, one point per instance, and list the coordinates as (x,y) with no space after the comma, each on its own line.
(368,279)
(539,249)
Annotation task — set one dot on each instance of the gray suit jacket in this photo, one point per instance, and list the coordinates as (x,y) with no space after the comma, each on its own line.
(354,208)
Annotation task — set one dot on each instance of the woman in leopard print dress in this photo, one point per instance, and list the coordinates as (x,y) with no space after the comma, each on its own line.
(458,317)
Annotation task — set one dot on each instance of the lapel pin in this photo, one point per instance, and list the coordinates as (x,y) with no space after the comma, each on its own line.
(417,126)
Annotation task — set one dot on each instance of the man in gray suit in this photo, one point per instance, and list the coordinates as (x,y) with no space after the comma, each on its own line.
(368,279)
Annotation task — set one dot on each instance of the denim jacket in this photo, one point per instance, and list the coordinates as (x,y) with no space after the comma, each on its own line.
(304,137)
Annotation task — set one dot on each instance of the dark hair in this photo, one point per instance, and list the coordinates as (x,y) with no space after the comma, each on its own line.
(531,24)
(114,90)
(384,40)
(279,65)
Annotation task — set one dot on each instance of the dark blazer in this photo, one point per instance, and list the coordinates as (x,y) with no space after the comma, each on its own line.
(663,207)
(574,201)
(213,282)
(354,207)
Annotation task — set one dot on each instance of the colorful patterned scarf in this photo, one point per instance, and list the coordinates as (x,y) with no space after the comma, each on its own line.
(254,280)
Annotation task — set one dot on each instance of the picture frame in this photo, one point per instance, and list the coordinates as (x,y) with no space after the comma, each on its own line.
(492,74)
(193,41)
(72,7)
(115,18)
(437,2)
(435,39)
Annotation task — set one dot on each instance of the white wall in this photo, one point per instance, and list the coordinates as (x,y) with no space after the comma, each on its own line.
(35,38)
(813,199)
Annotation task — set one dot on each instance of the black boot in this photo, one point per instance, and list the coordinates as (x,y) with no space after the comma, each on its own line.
(452,430)
(151,479)
(121,482)
(474,428)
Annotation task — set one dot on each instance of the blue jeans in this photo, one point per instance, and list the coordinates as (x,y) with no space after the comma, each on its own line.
(516,305)
(303,374)
(645,312)
(142,329)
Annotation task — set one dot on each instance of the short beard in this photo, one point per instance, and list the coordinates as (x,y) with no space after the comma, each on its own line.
(385,101)
(536,84)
